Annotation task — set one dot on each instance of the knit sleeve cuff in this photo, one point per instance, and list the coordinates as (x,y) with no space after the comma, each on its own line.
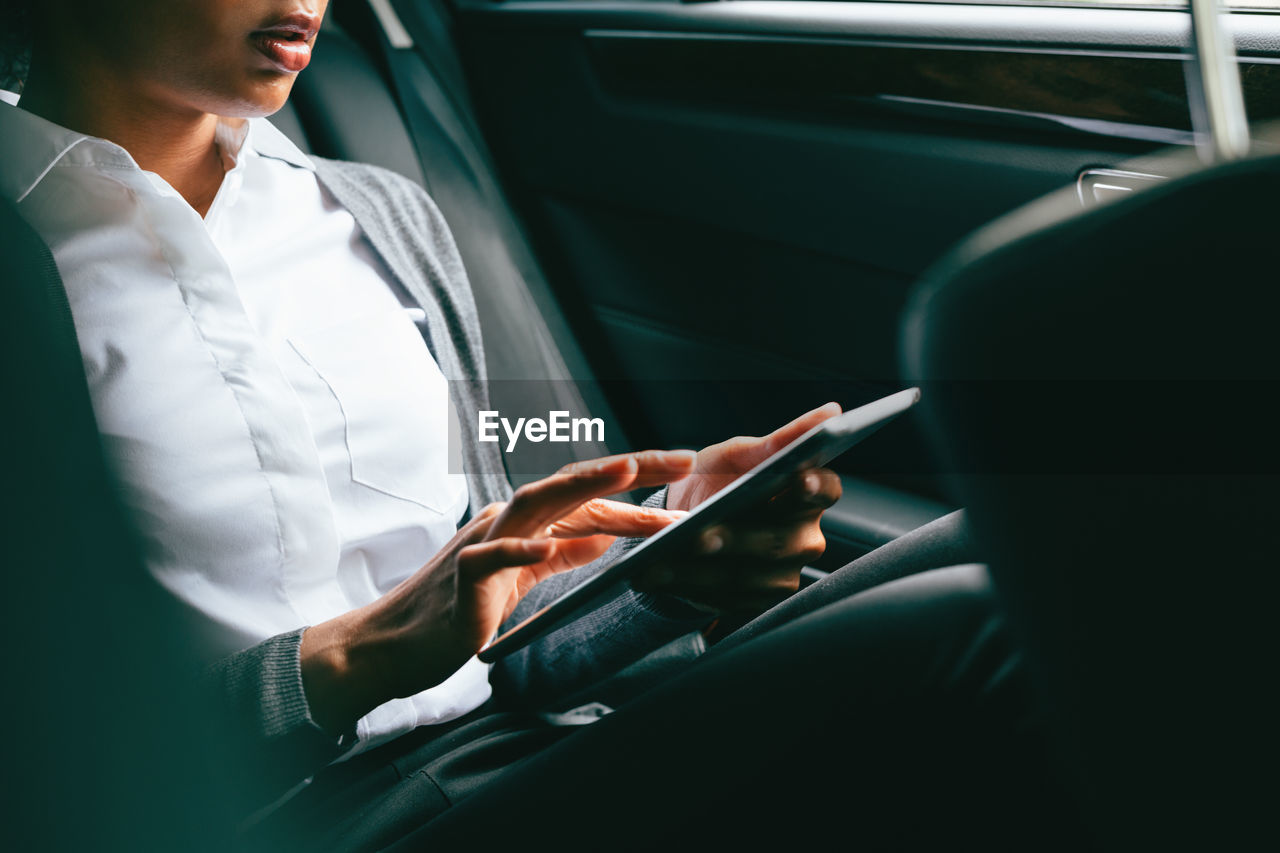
(285,709)
(272,742)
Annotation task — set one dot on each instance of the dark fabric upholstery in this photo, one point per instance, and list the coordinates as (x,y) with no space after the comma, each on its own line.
(893,719)
(943,542)
(896,719)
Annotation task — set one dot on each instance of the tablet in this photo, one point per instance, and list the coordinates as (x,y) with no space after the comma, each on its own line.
(814,449)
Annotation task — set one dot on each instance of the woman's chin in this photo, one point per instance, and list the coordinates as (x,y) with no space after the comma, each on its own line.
(258,99)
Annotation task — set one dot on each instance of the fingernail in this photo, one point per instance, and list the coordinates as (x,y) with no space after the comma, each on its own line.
(811,484)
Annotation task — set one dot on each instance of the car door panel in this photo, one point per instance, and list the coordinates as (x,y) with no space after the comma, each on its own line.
(733,199)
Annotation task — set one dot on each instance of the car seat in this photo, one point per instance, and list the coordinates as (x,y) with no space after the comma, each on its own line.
(97,705)
(1100,386)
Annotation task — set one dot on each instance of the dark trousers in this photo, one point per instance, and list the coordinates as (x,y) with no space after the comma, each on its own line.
(883,706)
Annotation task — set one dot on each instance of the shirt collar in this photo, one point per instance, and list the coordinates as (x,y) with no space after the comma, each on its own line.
(267,140)
(30,146)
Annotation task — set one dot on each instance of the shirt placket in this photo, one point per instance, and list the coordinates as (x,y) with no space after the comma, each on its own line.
(307,536)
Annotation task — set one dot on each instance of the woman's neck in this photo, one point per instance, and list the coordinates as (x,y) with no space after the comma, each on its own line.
(175,142)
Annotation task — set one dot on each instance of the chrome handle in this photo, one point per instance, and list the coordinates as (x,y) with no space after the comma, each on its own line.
(1213,86)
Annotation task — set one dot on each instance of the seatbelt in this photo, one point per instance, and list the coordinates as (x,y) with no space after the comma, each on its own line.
(508,285)
(435,50)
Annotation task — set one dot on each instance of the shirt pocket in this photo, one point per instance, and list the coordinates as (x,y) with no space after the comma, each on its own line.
(395,407)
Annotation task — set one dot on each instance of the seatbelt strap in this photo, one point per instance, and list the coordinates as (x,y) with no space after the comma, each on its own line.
(425,102)
(431,114)
(432,36)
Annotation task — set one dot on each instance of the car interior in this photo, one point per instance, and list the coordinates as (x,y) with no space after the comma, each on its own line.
(698,219)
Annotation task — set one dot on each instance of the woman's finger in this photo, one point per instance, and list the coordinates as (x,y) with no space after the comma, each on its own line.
(567,554)
(485,558)
(653,467)
(616,518)
(572,553)
(537,504)
(491,511)
(477,528)
(784,435)
(742,453)
(808,494)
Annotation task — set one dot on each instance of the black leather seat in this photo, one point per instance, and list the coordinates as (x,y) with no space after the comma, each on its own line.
(1101,386)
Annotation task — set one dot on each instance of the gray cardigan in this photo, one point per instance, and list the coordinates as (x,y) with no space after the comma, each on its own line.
(261,687)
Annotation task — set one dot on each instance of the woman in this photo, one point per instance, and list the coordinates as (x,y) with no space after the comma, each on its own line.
(280,431)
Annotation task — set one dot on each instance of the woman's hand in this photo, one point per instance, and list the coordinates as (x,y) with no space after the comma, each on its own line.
(744,567)
(428,626)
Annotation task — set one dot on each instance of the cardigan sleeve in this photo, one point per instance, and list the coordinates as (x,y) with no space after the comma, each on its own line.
(269,741)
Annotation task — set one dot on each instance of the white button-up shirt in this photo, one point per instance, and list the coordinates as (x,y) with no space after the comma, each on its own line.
(278,425)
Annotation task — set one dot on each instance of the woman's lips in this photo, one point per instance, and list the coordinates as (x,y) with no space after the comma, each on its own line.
(286,50)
